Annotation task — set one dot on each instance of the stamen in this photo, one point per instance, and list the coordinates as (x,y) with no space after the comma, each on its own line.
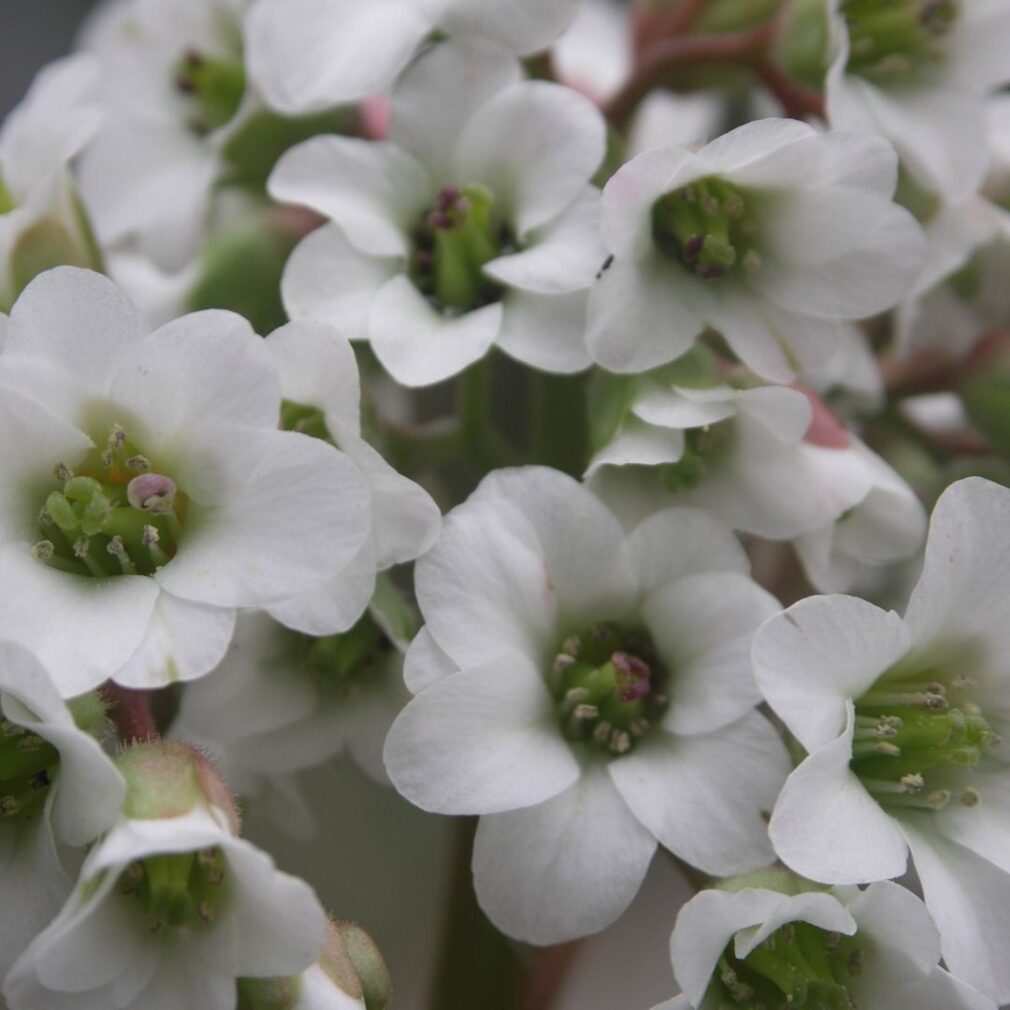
(62,472)
(862,748)
(117,549)
(151,538)
(44,551)
(971,797)
(138,464)
(82,548)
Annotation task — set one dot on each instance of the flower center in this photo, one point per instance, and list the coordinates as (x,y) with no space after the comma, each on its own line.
(708,227)
(607,685)
(341,661)
(916,739)
(305,419)
(799,966)
(451,246)
(27,765)
(213,87)
(113,515)
(178,890)
(892,39)
(701,446)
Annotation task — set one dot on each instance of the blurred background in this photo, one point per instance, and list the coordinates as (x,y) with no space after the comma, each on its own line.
(376,860)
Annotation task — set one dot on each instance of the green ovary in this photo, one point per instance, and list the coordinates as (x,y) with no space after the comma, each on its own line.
(799,967)
(709,227)
(111,514)
(180,890)
(607,685)
(214,87)
(890,40)
(916,738)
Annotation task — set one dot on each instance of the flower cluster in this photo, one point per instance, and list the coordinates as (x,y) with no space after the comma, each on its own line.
(489,392)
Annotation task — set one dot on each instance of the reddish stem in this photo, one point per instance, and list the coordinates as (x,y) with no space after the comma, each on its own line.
(651,26)
(548,970)
(797,100)
(131,713)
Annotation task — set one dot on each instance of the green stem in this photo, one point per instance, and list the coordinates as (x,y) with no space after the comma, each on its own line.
(558,432)
(474,407)
(478,967)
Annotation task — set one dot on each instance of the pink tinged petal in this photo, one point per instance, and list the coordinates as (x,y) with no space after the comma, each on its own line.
(328,280)
(678,542)
(969,899)
(317,368)
(484,588)
(586,561)
(818,654)
(440,92)
(337,604)
(704,797)
(546,331)
(644,314)
(300,512)
(564,868)
(702,626)
(557,140)
(184,641)
(425,663)
(419,346)
(827,827)
(482,741)
(308,55)
(202,370)
(373,191)
(564,256)
(521,26)
(962,593)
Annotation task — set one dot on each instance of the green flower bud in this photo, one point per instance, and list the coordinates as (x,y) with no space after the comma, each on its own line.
(368,964)
(802,43)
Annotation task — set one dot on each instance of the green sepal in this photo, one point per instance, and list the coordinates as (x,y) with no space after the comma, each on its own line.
(802,44)
(610,399)
(268,993)
(45,244)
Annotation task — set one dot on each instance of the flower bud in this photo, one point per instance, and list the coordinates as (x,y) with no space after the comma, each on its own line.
(370,968)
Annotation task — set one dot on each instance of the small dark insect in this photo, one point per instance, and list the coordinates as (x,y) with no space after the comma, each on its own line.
(607,264)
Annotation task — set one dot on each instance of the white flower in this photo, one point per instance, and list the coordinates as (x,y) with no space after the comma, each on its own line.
(918,74)
(322,394)
(56,785)
(148,471)
(447,239)
(312,990)
(781,944)
(171,908)
(310,54)
(594,54)
(589,695)
(772,235)
(904,721)
(40,212)
(766,460)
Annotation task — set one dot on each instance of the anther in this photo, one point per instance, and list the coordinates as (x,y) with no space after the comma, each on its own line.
(601,734)
(620,742)
(971,797)
(562,661)
(62,472)
(45,519)
(150,539)
(117,437)
(913,782)
(117,549)
(206,911)
(572,646)
(43,550)
(8,806)
(106,458)
(8,728)
(139,464)
(584,712)
(855,964)
(82,549)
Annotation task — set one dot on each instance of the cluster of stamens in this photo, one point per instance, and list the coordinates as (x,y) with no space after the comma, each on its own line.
(708,227)
(608,685)
(891,39)
(914,741)
(178,890)
(340,661)
(214,87)
(452,245)
(799,967)
(27,762)
(112,514)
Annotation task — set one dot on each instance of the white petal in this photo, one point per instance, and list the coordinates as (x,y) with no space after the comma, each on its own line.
(702,626)
(546,331)
(522,26)
(748,146)
(703,796)
(639,444)
(374,192)
(938,991)
(329,280)
(983,828)
(564,868)
(308,55)
(818,654)
(417,345)
(481,741)
(827,827)
(976,53)
(674,408)
(425,663)
(556,142)
(747,327)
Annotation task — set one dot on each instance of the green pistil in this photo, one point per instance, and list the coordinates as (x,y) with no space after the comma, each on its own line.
(607,686)
(708,227)
(214,86)
(893,39)
(27,765)
(799,966)
(179,890)
(453,244)
(906,731)
(307,420)
(339,661)
(700,446)
(112,515)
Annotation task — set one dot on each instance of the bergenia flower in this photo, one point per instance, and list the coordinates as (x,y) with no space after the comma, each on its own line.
(150,492)
(918,72)
(784,942)
(56,785)
(772,235)
(589,694)
(441,243)
(171,908)
(904,721)
(308,55)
